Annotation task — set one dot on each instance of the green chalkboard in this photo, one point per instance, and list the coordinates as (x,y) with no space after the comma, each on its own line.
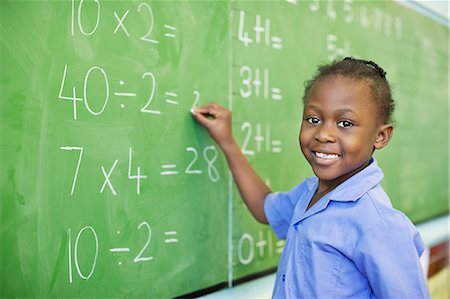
(109,189)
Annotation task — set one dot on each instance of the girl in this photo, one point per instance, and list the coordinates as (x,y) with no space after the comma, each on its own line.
(343,237)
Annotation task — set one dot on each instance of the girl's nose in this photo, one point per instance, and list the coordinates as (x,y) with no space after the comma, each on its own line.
(325,134)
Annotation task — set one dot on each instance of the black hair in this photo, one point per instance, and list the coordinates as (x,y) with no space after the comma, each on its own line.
(359,69)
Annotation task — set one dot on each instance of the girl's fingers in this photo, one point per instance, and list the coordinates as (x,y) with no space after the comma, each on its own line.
(201,118)
(201,110)
(215,119)
(210,109)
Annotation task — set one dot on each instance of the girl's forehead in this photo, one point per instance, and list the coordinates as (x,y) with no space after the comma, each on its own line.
(341,92)
(340,86)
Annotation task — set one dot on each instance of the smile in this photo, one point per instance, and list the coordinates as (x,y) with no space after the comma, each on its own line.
(326,156)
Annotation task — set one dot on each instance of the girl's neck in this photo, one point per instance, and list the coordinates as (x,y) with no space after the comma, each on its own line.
(326,187)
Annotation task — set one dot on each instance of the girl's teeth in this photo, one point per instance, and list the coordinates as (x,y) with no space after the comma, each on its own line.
(326,156)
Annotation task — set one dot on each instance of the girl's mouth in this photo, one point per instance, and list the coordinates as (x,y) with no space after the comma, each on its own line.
(326,156)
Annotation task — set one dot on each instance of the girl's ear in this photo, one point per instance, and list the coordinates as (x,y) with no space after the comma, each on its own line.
(384,136)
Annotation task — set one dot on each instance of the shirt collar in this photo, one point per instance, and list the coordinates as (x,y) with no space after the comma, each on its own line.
(356,186)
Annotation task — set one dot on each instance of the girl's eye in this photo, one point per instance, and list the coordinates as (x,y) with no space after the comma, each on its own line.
(344,124)
(313,120)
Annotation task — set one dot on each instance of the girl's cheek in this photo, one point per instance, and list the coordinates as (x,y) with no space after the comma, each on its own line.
(304,139)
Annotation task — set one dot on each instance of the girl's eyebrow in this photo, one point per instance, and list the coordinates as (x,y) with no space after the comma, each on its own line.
(309,106)
(337,112)
(345,110)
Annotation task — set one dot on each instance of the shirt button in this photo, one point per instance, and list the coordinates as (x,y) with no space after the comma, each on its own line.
(283,277)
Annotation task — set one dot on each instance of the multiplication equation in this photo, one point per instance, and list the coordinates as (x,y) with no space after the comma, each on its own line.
(193,167)
(79,25)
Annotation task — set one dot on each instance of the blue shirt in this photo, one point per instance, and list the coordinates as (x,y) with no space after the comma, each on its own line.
(350,244)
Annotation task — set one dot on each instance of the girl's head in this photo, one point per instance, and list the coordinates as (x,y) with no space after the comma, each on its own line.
(346,116)
(360,70)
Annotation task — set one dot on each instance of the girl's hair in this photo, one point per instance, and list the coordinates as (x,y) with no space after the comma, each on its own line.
(359,69)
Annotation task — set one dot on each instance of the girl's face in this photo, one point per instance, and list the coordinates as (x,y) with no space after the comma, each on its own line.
(340,129)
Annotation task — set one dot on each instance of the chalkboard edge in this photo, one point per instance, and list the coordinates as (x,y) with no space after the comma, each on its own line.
(224,284)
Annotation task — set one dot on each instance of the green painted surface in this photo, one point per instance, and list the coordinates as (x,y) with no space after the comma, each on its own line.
(119,193)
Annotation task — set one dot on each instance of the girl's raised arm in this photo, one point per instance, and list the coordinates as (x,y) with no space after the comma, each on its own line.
(217,121)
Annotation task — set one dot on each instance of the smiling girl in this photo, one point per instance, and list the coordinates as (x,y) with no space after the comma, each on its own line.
(343,237)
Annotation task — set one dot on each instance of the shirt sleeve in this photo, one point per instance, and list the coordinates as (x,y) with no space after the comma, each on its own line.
(279,209)
(388,255)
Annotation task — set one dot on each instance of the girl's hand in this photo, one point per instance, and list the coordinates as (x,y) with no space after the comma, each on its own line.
(217,121)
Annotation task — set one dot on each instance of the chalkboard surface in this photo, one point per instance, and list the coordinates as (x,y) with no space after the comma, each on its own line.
(109,189)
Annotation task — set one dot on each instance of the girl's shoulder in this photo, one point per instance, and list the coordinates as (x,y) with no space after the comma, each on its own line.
(376,213)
